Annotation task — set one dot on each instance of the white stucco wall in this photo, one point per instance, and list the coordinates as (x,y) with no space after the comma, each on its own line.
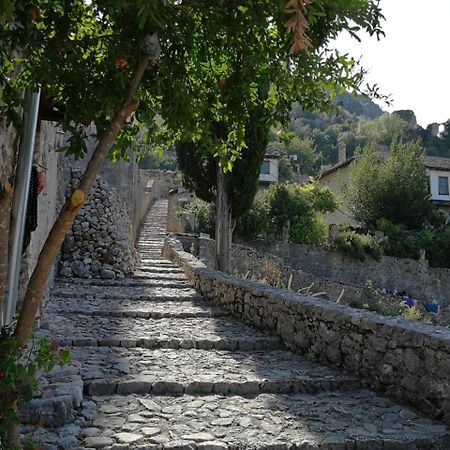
(434,184)
(272,176)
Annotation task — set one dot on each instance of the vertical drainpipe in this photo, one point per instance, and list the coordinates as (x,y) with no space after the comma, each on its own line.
(19,207)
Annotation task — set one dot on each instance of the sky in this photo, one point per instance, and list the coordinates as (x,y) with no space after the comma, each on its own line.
(412,63)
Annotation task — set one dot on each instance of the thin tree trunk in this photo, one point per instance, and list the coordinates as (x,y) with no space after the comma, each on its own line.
(69,211)
(224,224)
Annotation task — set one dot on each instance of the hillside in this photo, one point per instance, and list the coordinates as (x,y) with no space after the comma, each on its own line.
(313,138)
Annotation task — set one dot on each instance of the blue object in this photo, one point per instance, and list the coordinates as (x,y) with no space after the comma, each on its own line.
(409,301)
(432,307)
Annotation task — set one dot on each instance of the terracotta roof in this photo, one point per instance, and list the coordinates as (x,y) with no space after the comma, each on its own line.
(336,167)
(431,162)
(435,162)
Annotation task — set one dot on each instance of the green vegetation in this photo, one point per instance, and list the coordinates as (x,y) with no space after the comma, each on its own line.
(395,189)
(282,211)
(391,196)
(358,245)
(289,211)
(19,366)
(357,121)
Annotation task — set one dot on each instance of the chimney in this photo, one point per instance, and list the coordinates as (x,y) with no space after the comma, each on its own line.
(342,152)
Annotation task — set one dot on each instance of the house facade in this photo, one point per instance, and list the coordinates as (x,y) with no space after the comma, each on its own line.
(337,177)
(269,171)
(438,171)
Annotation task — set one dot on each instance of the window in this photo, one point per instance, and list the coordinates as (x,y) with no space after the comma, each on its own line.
(443,185)
(265,169)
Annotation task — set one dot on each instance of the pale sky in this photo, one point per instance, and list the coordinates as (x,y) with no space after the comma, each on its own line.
(413,61)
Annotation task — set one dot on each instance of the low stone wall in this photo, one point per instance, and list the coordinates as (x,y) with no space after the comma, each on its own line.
(415,277)
(408,361)
(252,264)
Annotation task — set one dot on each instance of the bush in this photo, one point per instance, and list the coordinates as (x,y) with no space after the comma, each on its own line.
(254,224)
(311,230)
(289,207)
(19,367)
(395,189)
(204,217)
(358,245)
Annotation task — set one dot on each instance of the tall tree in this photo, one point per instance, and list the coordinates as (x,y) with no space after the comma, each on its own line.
(251,49)
(99,61)
(232,192)
(395,188)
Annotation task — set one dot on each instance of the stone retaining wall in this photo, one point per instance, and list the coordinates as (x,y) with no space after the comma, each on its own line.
(99,245)
(408,361)
(246,262)
(402,274)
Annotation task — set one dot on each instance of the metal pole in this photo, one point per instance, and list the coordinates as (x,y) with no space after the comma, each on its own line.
(19,207)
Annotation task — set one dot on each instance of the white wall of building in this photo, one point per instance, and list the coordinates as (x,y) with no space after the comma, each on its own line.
(272,176)
(434,184)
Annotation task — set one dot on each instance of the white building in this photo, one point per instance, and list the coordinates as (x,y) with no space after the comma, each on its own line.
(269,172)
(438,170)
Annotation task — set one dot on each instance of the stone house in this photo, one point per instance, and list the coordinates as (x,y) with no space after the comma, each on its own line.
(337,177)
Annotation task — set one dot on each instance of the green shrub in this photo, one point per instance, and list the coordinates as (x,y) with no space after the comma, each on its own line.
(395,188)
(19,367)
(204,214)
(293,207)
(357,245)
(254,224)
(310,229)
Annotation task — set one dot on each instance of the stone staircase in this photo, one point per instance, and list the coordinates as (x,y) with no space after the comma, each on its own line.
(162,368)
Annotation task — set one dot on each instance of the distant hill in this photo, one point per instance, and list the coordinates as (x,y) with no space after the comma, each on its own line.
(357,122)
(359,106)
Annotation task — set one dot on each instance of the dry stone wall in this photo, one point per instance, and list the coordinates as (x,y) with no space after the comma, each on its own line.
(99,244)
(406,360)
(415,277)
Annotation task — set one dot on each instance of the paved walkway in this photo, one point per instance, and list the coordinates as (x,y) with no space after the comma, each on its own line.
(164,369)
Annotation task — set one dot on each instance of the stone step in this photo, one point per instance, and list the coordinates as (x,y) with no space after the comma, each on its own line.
(159,262)
(157,269)
(204,333)
(359,420)
(129,293)
(143,275)
(127,282)
(174,372)
(134,308)
(150,245)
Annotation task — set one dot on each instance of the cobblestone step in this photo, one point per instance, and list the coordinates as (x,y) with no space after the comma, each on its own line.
(142,275)
(134,308)
(128,282)
(358,420)
(177,372)
(158,269)
(131,293)
(163,369)
(157,263)
(204,333)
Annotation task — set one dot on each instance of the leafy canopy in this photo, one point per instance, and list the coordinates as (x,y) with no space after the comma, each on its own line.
(215,55)
(395,188)
(299,208)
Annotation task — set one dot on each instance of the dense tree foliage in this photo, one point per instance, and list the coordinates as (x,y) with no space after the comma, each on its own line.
(289,211)
(394,189)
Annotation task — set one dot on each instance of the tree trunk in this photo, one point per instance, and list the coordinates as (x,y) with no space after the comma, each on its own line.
(69,211)
(224,224)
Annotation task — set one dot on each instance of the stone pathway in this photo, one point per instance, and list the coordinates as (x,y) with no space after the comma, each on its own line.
(162,368)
